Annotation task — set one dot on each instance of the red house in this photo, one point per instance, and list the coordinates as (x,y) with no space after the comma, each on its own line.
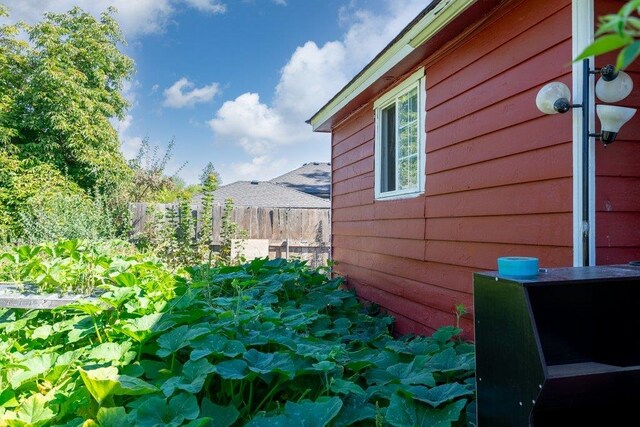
(441,162)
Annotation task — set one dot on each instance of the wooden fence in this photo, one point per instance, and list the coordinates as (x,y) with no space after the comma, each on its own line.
(299,233)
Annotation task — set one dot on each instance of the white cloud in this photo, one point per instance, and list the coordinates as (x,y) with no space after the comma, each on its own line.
(183,94)
(210,6)
(251,124)
(261,168)
(310,78)
(136,17)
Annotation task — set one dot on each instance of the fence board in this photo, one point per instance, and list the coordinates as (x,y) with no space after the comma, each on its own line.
(307,231)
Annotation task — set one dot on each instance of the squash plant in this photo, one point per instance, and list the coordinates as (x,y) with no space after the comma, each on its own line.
(262,344)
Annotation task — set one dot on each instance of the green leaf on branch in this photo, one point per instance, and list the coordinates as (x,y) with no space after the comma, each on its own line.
(604,45)
(627,55)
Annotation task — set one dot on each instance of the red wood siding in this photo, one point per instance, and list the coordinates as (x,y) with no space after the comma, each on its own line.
(498,174)
(618,176)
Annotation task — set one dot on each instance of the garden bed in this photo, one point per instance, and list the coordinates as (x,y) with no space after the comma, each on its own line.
(28,296)
(262,344)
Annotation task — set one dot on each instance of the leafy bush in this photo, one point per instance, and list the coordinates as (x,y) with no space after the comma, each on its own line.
(20,180)
(266,343)
(69,266)
(65,215)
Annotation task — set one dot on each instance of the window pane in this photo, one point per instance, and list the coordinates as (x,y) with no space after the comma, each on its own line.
(388,150)
(408,108)
(408,172)
(404,142)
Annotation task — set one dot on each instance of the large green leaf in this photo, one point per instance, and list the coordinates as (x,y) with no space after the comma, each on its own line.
(33,366)
(113,417)
(265,363)
(217,345)
(221,416)
(144,327)
(404,412)
(341,386)
(305,414)
(178,338)
(104,382)
(412,373)
(355,408)
(449,361)
(234,369)
(33,412)
(440,394)
(313,414)
(184,405)
(112,352)
(192,379)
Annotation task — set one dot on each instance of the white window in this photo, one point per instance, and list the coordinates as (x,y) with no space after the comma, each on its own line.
(400,139)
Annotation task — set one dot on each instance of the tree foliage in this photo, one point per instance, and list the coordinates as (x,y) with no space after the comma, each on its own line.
(619,31)
(21,180)
(209,173)
(60,91)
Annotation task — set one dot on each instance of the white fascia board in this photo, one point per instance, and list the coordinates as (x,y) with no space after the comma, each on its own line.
(582,36)
(438,18)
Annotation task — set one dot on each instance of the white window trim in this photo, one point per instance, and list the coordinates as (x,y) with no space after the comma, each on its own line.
(417,79)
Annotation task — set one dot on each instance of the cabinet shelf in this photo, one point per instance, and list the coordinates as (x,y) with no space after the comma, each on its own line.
(558,350)
(586,368)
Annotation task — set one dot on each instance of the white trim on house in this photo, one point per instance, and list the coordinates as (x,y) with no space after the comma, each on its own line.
(583,19)
(414,81)
(436,19)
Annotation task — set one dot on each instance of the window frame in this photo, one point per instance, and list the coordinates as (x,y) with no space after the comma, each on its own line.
(414,81)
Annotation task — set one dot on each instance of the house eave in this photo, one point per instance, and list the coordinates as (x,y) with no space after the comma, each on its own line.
(427,24)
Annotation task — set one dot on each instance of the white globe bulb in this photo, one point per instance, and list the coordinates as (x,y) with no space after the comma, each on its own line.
(549,94)
(614,90)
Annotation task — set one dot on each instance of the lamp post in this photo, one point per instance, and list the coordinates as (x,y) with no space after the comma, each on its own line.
(613,86)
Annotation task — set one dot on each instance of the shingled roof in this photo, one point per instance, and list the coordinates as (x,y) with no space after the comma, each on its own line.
(264,194)
(312,178)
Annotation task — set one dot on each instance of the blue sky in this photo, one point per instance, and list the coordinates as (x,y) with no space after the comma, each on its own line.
(232,81)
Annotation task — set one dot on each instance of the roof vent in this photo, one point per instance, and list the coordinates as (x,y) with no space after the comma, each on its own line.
(255,182)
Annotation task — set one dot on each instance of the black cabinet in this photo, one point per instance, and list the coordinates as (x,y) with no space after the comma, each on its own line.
(562,349)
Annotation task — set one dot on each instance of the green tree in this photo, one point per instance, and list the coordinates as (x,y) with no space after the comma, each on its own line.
(12,66)
(618,31)
(59,93)
(206,174)
(209,185)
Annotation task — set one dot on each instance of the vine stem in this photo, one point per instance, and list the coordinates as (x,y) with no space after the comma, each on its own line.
(269,395)
(95,327)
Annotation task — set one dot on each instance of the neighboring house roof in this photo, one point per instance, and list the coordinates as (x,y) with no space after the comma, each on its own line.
(438,23)
(264,194)
(311,178)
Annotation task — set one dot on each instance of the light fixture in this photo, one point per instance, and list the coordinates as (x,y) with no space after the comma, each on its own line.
(612,118)
(613,86)
(554,98)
